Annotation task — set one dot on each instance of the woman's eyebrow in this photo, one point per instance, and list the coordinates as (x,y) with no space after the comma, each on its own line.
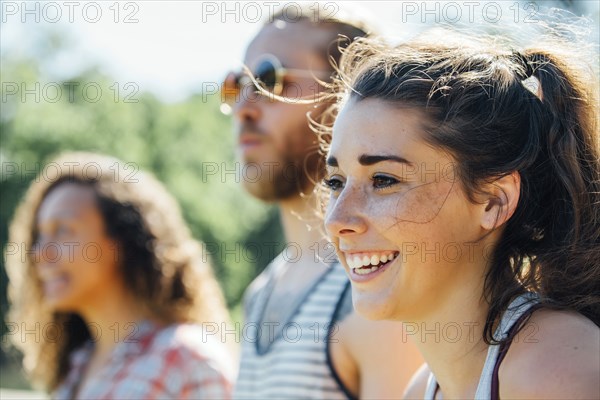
(366,159)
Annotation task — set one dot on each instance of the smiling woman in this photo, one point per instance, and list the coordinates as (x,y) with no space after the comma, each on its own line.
(464,186)
(382,207)
(116,286)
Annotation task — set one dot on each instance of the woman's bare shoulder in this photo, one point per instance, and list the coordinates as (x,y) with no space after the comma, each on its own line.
(555,355)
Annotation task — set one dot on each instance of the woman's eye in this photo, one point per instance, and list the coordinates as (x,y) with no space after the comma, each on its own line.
(334,184)
(38,237)
(384,181)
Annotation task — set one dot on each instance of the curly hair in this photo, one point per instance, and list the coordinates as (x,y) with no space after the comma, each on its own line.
(166,269)
(478,108)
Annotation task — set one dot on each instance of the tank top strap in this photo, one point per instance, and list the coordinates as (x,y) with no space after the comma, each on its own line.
(431,389)
(519,307)
(495,390)
(517,310)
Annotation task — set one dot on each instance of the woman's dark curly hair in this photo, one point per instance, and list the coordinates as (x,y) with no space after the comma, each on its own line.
(160,262)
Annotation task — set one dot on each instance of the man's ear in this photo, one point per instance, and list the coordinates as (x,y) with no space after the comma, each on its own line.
(500,200)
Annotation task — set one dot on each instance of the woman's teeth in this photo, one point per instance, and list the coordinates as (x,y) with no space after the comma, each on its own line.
(363,264)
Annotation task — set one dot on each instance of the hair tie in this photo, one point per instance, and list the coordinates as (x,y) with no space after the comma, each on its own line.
(531,82)
(534,85)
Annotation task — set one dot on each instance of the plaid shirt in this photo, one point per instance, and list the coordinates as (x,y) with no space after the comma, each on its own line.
(173,362)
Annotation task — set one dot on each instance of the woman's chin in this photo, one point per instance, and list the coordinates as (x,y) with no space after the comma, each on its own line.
(372,306)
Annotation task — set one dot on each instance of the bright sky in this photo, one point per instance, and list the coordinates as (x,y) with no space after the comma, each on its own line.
(172,47)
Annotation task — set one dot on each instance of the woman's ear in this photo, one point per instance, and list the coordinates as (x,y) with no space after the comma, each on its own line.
(500,200)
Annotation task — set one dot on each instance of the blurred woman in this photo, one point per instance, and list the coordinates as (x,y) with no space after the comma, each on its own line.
(465,201)
(111,277)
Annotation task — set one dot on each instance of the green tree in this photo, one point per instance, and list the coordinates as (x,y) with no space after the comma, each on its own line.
(187,145)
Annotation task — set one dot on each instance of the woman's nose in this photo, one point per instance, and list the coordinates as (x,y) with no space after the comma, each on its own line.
(344,214)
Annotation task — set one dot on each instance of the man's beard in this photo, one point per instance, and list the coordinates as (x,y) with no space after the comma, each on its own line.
(287,178)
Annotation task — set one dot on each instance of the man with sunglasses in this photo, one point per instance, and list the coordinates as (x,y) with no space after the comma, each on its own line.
(301,338)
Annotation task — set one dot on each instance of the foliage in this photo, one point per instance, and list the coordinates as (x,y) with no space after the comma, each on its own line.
(187,145)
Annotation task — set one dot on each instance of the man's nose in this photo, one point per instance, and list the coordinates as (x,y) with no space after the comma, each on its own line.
(247,108)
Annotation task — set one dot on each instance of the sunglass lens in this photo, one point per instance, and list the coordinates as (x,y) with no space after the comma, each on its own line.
(230,89)
(266,74)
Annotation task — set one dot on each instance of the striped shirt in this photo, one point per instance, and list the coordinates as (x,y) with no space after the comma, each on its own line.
(173,362)
(295,361)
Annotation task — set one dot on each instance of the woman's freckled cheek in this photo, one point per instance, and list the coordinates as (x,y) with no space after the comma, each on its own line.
(379,211)
(422,204)
(419,205)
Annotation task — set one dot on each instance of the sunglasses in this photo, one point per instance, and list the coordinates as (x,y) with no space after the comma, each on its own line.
(269,73)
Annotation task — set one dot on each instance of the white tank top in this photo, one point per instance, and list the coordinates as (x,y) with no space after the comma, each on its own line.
(484,389)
